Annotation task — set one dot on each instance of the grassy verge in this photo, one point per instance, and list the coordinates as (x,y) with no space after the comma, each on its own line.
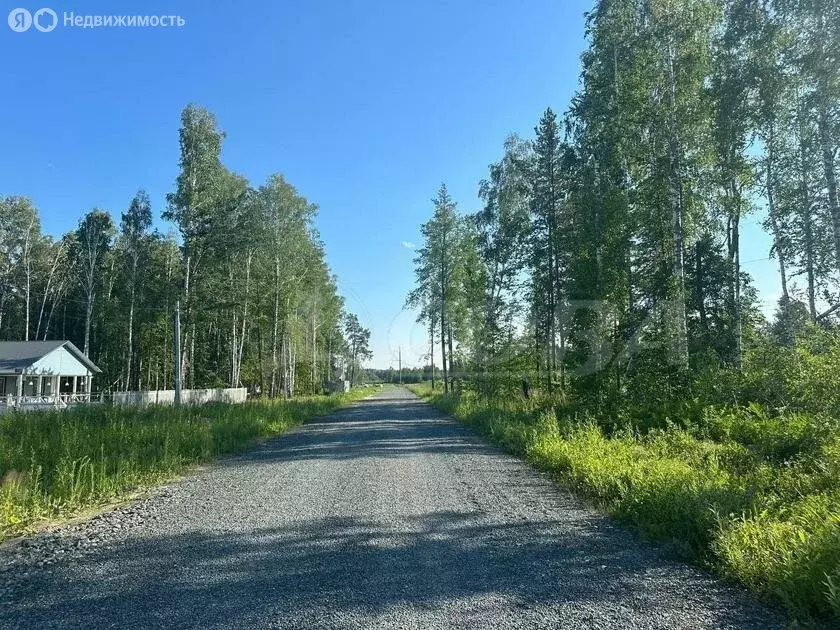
(54,465)
(754,496)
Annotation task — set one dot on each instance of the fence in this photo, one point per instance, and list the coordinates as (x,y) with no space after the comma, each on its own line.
(188,396)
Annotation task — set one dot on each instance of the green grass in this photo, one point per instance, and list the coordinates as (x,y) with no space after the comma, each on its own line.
(54,465)
(754,496)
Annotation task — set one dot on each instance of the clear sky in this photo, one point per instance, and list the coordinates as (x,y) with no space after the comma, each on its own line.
(366,107)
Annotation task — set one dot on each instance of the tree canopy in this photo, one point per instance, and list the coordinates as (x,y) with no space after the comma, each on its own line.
(606,261)
(259,304)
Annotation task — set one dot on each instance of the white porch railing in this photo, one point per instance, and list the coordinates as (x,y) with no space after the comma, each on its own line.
(44,400)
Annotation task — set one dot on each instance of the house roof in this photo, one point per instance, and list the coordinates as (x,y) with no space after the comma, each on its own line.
(19,355)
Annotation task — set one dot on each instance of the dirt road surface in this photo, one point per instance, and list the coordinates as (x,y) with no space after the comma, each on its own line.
(385,514)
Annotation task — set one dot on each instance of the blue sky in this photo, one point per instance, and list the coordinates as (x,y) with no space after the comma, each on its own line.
(365,106)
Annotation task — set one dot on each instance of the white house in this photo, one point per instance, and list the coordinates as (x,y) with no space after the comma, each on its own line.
(44,373)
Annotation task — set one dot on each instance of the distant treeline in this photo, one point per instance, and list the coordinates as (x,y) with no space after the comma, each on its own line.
(407,375)
(259,305)
(607,256)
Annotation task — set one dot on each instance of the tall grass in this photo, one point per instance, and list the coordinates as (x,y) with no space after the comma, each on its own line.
(754,496)
(55,464)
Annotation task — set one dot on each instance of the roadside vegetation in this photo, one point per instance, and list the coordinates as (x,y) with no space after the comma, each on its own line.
(54,465)
(597,315)
(750,490)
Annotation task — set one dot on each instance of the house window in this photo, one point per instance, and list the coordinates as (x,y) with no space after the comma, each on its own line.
(3,386)
(46,386)
(30,385)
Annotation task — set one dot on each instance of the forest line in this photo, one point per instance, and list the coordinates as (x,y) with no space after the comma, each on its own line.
(596,318)
(259,305)
(618,225)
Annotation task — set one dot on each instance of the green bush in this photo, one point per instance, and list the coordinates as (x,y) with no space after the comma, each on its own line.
(792,553)
(779,438)
(802,378)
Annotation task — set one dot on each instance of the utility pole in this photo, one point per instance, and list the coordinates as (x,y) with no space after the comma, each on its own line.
(177,346)
(400,362)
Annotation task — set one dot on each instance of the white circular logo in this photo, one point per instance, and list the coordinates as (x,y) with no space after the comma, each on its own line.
(45,20)
(20,20)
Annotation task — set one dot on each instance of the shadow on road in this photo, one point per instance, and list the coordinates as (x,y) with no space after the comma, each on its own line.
(323,569)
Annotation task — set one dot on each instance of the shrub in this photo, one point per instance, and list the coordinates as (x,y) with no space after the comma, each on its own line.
(792,553)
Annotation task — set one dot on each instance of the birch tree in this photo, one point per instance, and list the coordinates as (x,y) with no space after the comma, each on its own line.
(93,241)
(134,228)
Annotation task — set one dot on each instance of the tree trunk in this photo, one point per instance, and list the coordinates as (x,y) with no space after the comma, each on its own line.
(329,370)
(281,385)
(88,313)
(314,356)
(234,346)
(443,349)
(830,181)
(552,306)
(130,340)
(274,340)
(53,269)
(292,365)
(192,356)
(735,265)
(806,224)
(826,100)
(111,278)
(432,348)
(677,217)
(771,211)
(260,359)
(27,265)
(58,291)
(809,261)
(28,293)
(451,357)
(129,349)
(188,312)
(700,293)
(241,350)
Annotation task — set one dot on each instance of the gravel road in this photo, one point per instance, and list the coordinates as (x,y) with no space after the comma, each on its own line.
(385,514)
